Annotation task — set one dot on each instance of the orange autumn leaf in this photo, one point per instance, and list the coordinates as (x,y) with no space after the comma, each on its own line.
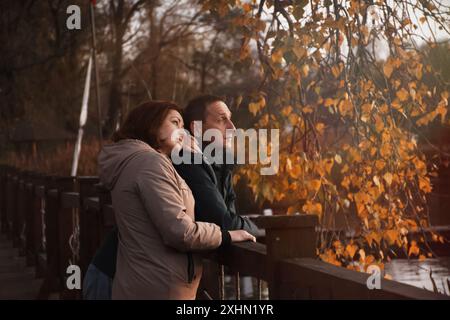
(314,185)
(351,249)
(402,94)
(387,69)
(424,184)
(277,56)
(413,249)
(392,236)
(388,178)
(312,208)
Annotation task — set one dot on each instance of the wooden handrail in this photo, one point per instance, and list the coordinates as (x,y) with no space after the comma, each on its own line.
(287,261)
(307,278)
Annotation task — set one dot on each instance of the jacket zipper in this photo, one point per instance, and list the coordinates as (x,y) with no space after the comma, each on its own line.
(190,268)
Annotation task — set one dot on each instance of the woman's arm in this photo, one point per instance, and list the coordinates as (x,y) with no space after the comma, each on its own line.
(162,198)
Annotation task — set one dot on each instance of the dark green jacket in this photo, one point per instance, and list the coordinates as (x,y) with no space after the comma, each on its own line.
(212,187)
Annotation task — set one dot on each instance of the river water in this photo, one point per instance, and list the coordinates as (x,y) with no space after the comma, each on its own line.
(417,273)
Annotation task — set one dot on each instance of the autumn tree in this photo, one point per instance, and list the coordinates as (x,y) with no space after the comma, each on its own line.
(343,80)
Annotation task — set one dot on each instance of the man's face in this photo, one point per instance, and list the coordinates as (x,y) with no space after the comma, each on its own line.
(218,116)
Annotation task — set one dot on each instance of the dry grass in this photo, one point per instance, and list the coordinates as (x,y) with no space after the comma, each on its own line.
(59,161)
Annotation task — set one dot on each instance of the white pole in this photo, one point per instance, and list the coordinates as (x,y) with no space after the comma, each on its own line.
(83,118)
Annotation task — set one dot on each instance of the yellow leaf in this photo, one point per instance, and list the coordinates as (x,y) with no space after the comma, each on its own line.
(346,182)
(351,250)
(376,181)
(373,236)
(291,210)
(402,94)
(247,7)
(413,249)
(424,184)
(329,102)
(277,56)
(388,178)
(391,236)
(312,208)
(299,52)
(330,257)
(320,127)
(419,71)
(328,164)
(314,185)
(362,254)
(295,171)
(336,70)
(387,69)
(293,119)
(442,111)
(338,159)
(379,124)
(255,107)
(307,109)
(286,111)
(305,70)
(386,150)
(379,164)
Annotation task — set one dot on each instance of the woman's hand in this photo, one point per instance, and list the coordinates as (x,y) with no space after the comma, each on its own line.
(241,236)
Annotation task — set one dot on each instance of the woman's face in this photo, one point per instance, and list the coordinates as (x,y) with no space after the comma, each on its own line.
(169,135)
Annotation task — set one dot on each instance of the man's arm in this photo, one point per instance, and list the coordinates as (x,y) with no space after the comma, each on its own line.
(247,224)
(209,203)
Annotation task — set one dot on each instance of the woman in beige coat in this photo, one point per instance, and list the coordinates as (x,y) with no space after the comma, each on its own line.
(154,209)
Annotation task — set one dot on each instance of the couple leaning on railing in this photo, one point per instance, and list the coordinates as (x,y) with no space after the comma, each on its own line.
(166,214)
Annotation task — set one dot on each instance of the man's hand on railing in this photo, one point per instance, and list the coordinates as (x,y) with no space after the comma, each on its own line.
(241,236)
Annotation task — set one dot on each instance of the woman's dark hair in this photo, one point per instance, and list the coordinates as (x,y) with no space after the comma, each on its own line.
(196,108)
(144,121)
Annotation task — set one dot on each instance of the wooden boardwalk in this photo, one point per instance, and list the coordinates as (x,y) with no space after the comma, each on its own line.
(17,281)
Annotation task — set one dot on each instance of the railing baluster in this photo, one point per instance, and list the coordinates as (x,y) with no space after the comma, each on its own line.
(221,282)
(3,199)
(42,217)
(259,289)
(237,285)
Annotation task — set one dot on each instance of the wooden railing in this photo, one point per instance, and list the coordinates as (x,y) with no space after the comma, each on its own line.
(57,221)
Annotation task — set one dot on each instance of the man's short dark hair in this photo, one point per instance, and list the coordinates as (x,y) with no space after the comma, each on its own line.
(196,108)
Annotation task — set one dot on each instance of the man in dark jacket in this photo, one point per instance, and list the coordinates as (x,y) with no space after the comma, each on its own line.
(211,185)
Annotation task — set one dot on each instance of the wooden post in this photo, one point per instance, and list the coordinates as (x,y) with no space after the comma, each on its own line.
(30,218)
(11,200)
(22,207)
(3,217)
(107,218)
(91,226)
(209,287)
(291,236)
(87,189)
(37,221)
(14,196)
(64,228)
(56,233)
(8,202)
